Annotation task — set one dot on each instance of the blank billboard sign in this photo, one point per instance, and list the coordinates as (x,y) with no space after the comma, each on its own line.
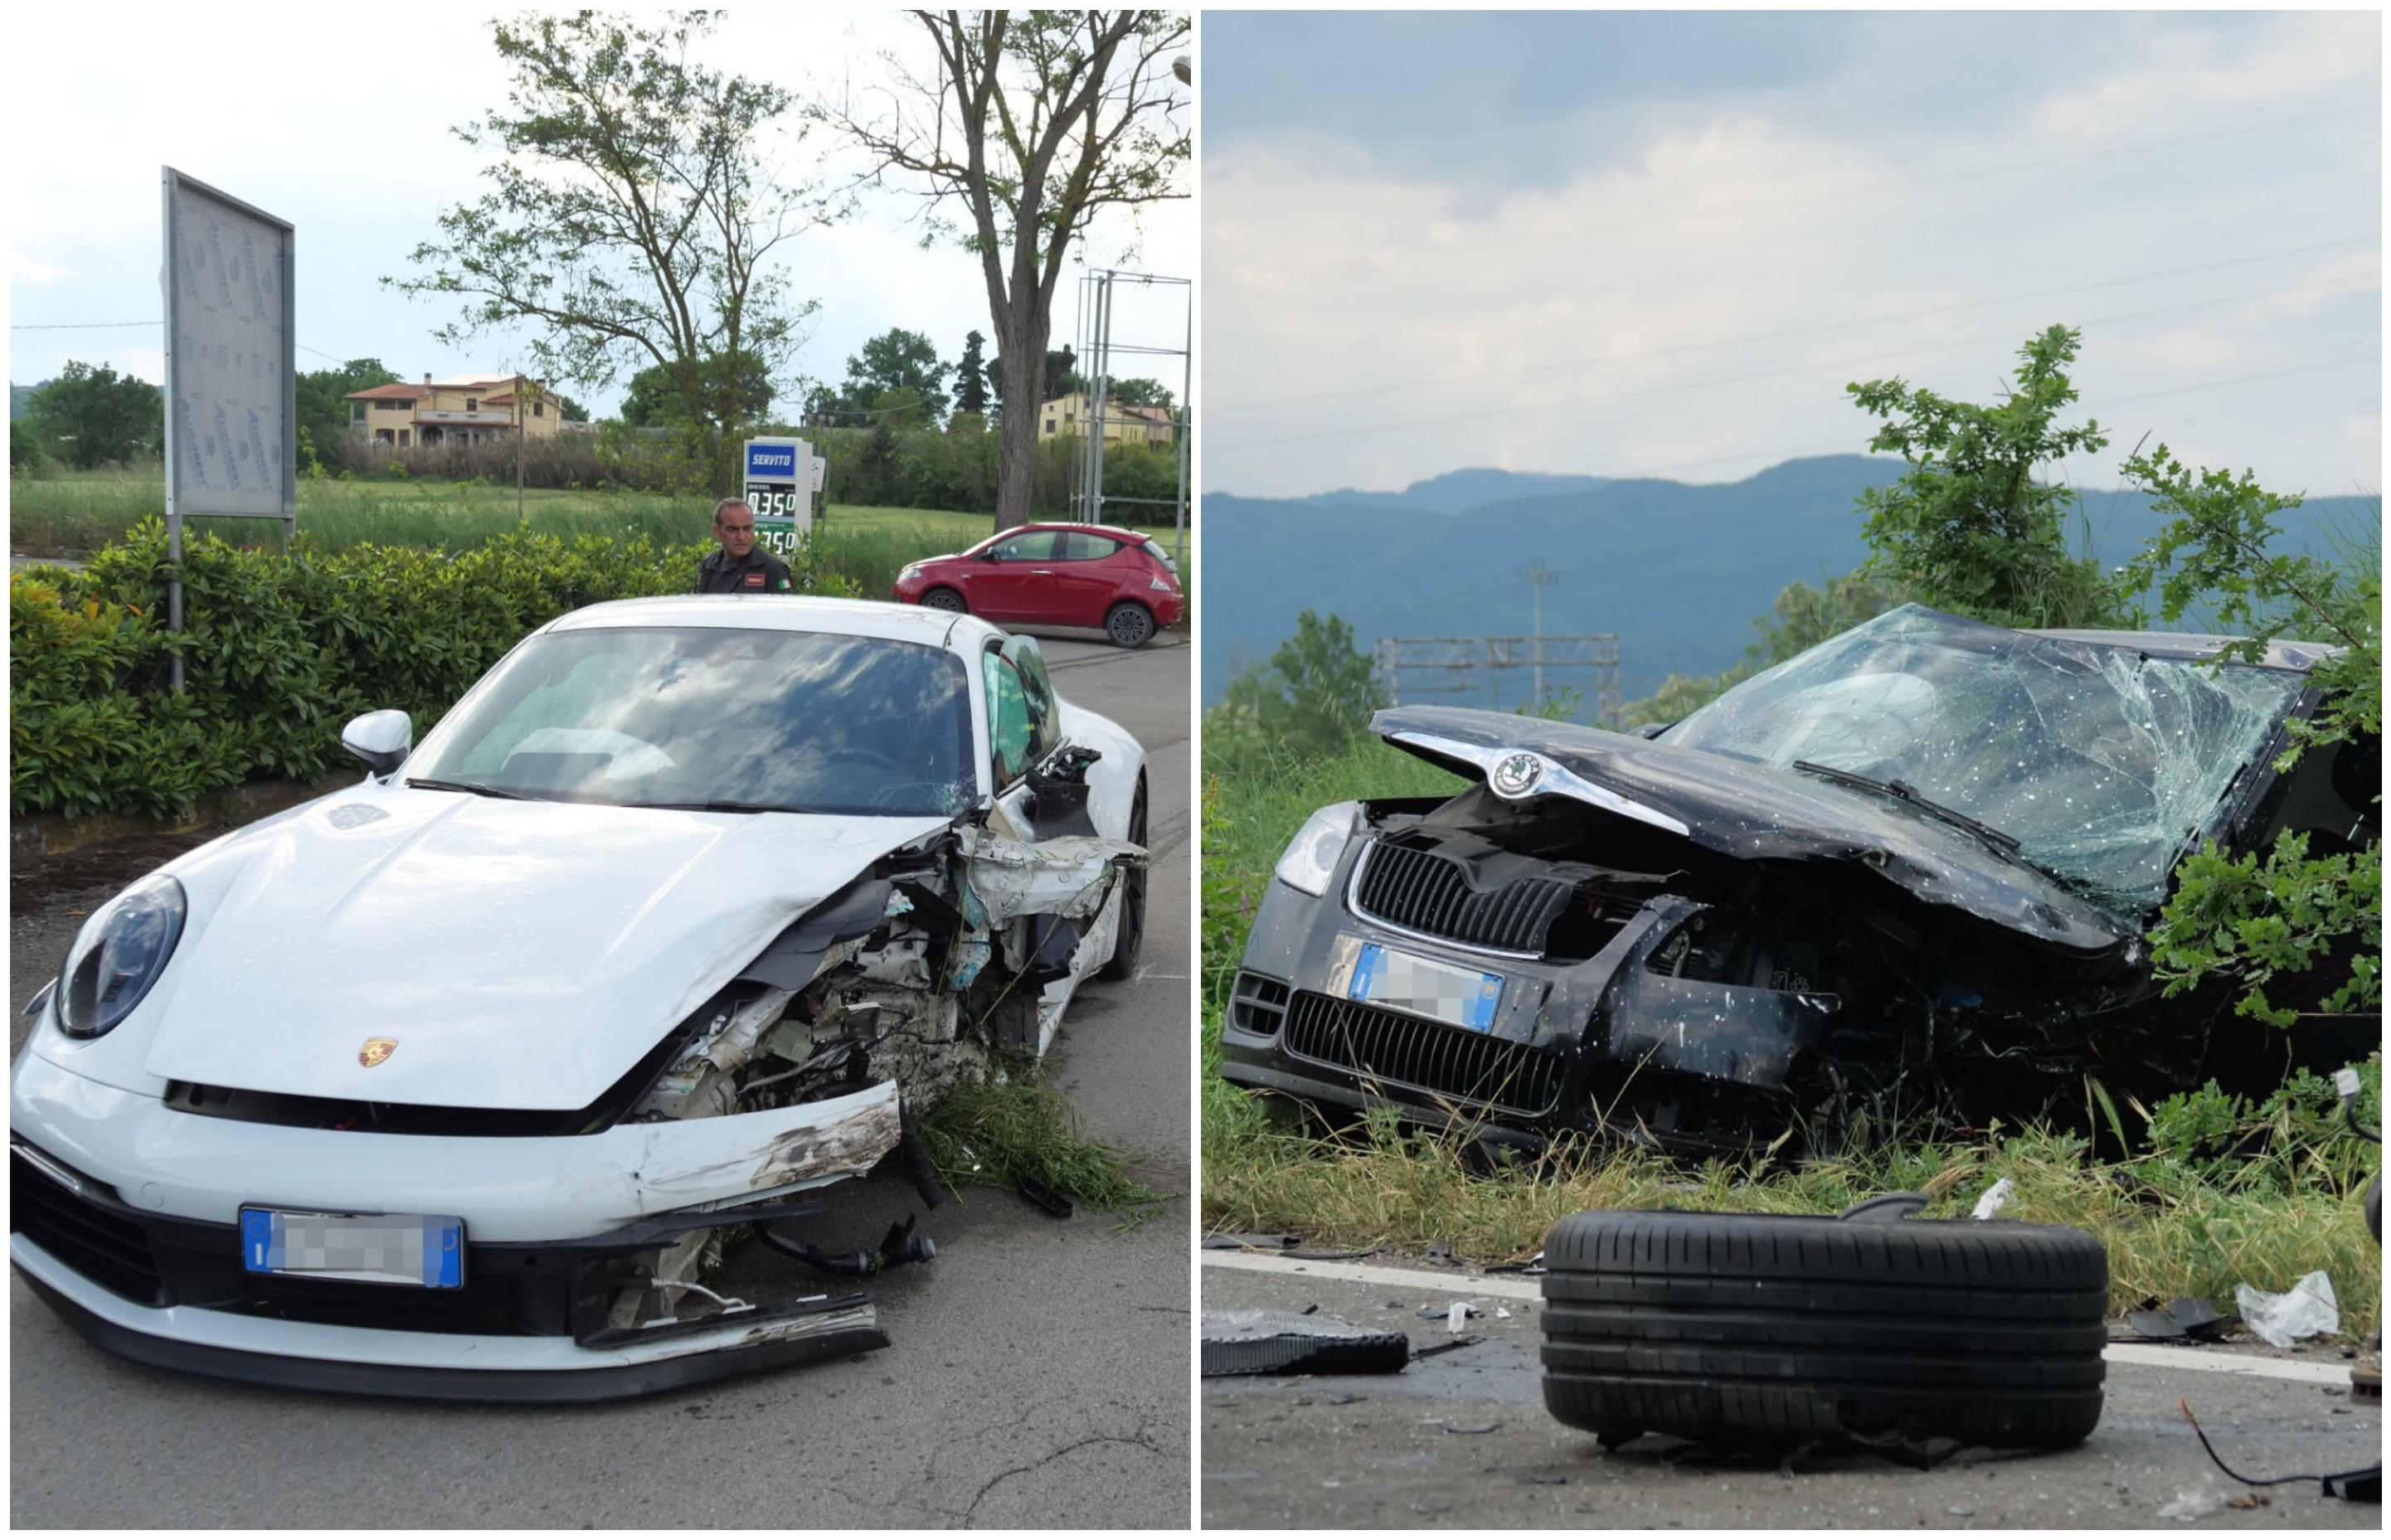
(231,418)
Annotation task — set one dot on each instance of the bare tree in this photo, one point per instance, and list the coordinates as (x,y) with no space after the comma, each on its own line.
(628,217)
(1032,122)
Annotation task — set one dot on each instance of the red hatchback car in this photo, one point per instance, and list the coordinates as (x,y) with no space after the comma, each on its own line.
(1054,575)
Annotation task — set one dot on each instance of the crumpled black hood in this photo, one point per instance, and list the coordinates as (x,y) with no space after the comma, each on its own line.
(1751,811)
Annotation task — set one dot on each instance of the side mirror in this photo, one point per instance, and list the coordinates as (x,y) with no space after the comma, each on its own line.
(380,738)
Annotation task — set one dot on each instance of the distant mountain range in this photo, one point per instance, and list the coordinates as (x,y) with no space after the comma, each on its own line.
(1676,571)
(18,396)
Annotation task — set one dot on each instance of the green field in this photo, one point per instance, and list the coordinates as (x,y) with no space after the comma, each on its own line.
(71,513)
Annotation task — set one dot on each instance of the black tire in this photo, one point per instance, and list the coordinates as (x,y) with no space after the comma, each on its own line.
(1129,623)
(1129,939)
(1764,1332)
(944,599)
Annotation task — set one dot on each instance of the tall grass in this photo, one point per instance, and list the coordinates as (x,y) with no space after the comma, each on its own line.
(2258,1204)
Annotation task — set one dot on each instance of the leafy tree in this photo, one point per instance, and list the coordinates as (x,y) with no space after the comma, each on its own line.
(903,361)
(1142,392)
(1032,122)
(322,398)
(655,398)
(902,406)
(573,410)
(1970,528)
(628,218)
(971,378)
(91,416)
(1317,692)
(2264,919)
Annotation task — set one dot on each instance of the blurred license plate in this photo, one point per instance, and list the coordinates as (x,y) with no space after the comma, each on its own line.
(1404,981)
(423,1250)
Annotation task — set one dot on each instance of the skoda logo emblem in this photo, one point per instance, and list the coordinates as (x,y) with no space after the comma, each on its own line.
(1515,775)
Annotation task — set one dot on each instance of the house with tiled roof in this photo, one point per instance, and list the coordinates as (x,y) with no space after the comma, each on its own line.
(457,410)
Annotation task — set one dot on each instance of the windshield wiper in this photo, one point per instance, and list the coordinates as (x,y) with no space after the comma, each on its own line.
(476,787)
(1903,790)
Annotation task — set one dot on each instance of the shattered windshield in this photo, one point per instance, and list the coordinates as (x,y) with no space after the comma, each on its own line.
(704,716)
(2100,762)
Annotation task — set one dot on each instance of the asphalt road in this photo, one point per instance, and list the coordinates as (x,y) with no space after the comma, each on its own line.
(1462,1440)
(1038,1377)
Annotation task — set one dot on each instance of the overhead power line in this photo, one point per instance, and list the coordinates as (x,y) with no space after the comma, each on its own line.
(1823,328)
(111,326)
(1611,399)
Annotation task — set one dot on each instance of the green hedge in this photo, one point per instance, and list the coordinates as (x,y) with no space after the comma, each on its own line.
(279,649)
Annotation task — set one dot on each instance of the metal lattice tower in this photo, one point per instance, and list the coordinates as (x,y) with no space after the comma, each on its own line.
(1447,665)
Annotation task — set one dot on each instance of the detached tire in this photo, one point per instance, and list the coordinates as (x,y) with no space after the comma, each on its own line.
(1761,1332)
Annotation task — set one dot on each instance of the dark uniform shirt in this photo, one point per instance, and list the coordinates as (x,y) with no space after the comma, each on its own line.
(758,572)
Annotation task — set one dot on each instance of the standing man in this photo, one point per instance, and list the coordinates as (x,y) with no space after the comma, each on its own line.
(742,566)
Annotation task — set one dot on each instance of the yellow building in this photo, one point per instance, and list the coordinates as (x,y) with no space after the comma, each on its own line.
(461,410)
(1123,423)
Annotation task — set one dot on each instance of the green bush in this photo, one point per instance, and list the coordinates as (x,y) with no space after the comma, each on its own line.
(279,649)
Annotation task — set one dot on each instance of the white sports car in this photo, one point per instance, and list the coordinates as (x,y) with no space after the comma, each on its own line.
(455,1083)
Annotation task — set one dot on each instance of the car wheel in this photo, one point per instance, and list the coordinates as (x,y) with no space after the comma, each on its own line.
(1129,623)
(1130,937)
(1764,1332)
(943,598)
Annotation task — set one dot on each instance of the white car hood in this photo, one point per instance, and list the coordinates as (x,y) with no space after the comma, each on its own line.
(521,954)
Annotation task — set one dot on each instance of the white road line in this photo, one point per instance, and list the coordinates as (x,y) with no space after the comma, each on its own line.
(1452,1285)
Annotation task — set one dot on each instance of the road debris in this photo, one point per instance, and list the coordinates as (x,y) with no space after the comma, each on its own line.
(1277,1342)
(2308,1309)
(1995,1196)
(2182,1318)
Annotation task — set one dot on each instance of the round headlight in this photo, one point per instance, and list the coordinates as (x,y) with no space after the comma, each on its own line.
(1311,859)
(119,954)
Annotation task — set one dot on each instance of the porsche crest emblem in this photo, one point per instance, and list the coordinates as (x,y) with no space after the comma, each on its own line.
(1516,774)
(376,1050)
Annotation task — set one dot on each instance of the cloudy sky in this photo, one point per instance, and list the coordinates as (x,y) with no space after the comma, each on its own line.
(350,141)
(1661,245)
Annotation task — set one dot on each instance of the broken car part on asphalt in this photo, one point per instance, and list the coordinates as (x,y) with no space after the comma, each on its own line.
(457,1083)
(1908,872)
(1771,1332)
(1278,1341)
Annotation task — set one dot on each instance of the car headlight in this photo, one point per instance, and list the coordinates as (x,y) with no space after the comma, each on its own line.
(119,954)
(909,574)
(1311,859)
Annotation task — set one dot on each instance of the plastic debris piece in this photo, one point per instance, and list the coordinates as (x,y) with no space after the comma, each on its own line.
(1456,1320)
(1045,1196)
(1471,1427)
(2193,1502)
(1276,1342)
(1502,1314)
(1444,1347)
(2307,1309)
(1995,1196)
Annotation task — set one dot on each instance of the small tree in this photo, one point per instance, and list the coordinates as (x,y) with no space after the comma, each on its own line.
(1032,122)
(628,217)
(1971,528)
(971,379)
(2267,916)
(1317,692)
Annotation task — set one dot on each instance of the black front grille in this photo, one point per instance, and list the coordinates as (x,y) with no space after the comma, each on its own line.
(1424,892)
(1427,1056)
(111,1252)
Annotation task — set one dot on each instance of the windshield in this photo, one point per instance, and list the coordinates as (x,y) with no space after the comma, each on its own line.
(797,721)
(2102,763)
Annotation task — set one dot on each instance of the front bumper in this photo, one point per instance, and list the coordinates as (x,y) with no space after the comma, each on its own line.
(1606,1044)
(124,1219)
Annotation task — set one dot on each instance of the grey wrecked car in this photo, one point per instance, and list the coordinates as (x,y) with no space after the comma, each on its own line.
(1907,872)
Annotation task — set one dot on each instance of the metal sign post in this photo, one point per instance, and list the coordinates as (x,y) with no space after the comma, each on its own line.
(781,476)
(231,391)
